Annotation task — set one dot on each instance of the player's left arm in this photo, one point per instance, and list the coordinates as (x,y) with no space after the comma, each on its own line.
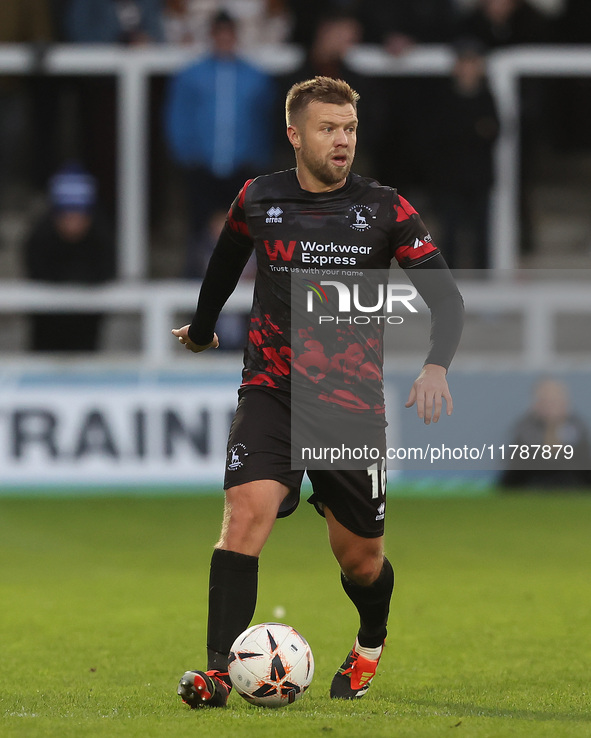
(415,252)
(436,285)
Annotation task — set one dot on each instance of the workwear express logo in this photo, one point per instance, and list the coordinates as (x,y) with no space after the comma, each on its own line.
(336,302)
(317,254)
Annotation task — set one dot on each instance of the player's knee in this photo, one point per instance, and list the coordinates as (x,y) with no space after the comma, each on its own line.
(246,525)
(363,570)
(243,534)
(244,520)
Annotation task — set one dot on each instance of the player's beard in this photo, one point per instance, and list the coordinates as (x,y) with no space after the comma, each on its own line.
(323,170)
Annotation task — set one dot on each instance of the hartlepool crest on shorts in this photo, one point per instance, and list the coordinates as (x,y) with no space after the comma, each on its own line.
(236,456)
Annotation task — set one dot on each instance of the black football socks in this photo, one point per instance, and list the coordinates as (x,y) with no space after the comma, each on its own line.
(373,605)
(233,581)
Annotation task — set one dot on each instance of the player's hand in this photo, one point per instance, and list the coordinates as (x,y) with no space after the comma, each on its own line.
(183,335)
(428,392)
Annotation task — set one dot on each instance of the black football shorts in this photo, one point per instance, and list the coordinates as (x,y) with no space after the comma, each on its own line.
(259,447)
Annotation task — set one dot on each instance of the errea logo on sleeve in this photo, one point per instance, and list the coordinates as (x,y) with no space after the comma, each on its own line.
(422,241)
(274,215)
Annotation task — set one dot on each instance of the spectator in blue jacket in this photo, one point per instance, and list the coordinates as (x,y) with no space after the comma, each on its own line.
(219,123)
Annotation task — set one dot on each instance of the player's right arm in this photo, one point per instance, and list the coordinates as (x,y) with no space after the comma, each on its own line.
(227,263)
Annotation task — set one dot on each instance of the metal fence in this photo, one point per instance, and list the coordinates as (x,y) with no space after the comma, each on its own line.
(133,68)
(535,306)
(157,302)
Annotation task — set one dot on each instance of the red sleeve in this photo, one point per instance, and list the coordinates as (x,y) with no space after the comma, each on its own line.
(236,215)
(412,243)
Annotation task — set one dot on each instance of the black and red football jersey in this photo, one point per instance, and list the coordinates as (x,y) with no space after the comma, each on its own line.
(361,226)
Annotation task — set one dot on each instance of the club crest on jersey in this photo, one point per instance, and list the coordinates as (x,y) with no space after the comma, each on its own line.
(236,456)
(360,214)
(274,215)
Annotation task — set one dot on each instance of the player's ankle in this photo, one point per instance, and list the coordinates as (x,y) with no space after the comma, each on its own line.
(373,654)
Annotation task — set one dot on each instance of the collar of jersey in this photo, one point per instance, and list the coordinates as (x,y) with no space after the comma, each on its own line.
(323,195)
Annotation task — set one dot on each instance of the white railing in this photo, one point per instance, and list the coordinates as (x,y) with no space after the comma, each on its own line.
(158,301)
(537,303)
(133,67)
(505,70)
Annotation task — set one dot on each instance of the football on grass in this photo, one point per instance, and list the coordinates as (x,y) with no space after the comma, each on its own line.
(271,665)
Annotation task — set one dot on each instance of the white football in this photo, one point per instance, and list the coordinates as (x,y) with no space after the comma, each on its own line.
(271,665)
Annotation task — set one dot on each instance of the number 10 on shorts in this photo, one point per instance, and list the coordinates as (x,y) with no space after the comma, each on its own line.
(377,474)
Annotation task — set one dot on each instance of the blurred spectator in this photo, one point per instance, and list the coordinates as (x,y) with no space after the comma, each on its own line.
(128,22)
(335,36)
(500,23)
(69,244)
(58,14)
(26,114)
(114,21)
(308,14)
(197,261)
(572,96)
(218,125)
(198,257)
(574,22)
(550,422)
(258,21)
(400,24)
(461,159)
(181,26)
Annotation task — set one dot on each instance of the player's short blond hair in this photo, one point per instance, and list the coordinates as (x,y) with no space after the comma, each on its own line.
(318,89)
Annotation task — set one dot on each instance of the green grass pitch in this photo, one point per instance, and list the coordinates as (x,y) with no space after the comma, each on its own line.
(103,606)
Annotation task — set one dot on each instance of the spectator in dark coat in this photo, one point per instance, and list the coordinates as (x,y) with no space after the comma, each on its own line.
(574,23)
(400,24)
(498,23)
(309,14)
(27,110)
(461,159)
(70,244)
(572,95)
(126,22)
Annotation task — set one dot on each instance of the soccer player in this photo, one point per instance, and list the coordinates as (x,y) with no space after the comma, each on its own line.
(277,215)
